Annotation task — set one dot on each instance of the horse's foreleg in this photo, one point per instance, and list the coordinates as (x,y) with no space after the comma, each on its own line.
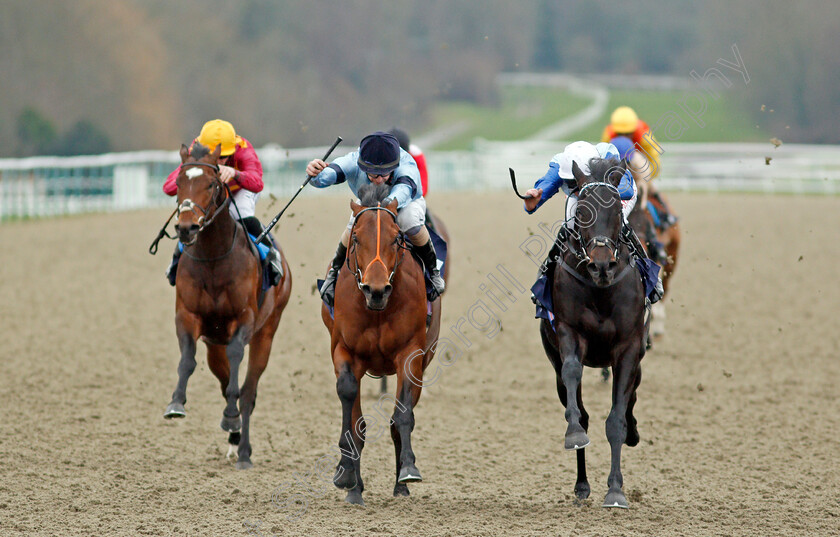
(632,429)
(186,341)
(258,353)
(624,382)
(571,372)
(235,350)
(348,473)
(218,363)
(409,387)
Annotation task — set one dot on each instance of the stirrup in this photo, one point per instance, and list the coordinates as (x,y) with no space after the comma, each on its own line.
(327,290)
(275,266)
(657,293)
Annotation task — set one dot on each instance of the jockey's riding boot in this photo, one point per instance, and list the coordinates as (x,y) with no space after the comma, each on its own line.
(275,265)
(656,249)
(429,257)
(658,291)
(171,272)
(667,219)
(327,289)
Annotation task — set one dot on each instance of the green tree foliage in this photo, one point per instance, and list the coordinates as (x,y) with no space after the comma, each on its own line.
(148,73)
(83,138)
(35,133)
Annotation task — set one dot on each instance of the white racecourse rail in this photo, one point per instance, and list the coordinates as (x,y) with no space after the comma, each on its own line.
(50,186)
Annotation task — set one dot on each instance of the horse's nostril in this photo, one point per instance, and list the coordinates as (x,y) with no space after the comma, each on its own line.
(613,265)
(365,288)
(387,290)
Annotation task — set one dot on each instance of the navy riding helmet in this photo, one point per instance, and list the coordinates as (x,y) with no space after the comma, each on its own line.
(379,153)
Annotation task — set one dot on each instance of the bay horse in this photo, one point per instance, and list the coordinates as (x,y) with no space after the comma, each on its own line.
(379,326)
(219,297)
(598,320)
(669,235)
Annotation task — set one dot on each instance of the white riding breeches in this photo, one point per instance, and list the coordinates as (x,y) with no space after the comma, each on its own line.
(246,202)
(410,218)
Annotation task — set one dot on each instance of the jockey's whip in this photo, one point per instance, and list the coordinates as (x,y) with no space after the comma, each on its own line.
(271,224)
(513,182)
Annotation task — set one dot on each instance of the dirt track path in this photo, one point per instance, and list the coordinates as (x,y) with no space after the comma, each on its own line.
(738,408)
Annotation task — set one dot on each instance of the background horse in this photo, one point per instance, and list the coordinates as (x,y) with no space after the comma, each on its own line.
(669,235)
(219,296)
(379,327)
(598,302)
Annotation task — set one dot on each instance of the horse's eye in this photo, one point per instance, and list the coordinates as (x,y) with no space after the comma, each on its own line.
(355,239)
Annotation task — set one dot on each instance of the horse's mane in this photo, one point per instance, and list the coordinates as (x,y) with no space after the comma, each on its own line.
(199,151)
(600,167)
(371,194)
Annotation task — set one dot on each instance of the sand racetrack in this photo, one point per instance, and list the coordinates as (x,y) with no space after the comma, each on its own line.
(738,409)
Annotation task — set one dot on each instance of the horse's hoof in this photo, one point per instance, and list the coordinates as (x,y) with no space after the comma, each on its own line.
(175,410)
(354,497)
(582,491)
(409,474)
(344,478)
(577,440)
(616,499)
(231,425)
(401,490)
(244,465)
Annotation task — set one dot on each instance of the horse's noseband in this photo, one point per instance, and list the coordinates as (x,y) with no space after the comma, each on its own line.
(358,272)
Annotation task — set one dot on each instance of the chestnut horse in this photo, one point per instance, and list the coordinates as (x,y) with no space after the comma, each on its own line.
(669,235)
(379,326)
(219,297)
(599,304)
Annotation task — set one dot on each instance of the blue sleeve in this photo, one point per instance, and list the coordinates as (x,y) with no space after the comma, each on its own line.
(549,183)
(402,193)
(337,172)
(625,187)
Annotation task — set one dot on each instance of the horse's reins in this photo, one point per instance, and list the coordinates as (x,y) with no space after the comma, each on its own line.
(358,274)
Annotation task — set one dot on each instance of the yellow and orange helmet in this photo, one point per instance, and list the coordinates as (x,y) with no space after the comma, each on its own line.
(624,120)
(219,132)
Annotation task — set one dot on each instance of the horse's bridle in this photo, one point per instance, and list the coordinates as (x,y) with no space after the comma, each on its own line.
(358,274)
(580,249)
(598,240)
(206,218)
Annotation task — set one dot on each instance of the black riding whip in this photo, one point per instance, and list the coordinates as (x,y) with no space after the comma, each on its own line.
(513,182)
(271,224)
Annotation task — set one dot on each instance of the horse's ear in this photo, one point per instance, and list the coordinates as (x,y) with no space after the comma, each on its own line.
(185,153)
(217,153)
(616,173)
(580,177)
(393,206)
(355,207)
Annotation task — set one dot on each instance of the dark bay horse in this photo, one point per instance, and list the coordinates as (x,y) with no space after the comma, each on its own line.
(379,327)
(599,304)
(219,297)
